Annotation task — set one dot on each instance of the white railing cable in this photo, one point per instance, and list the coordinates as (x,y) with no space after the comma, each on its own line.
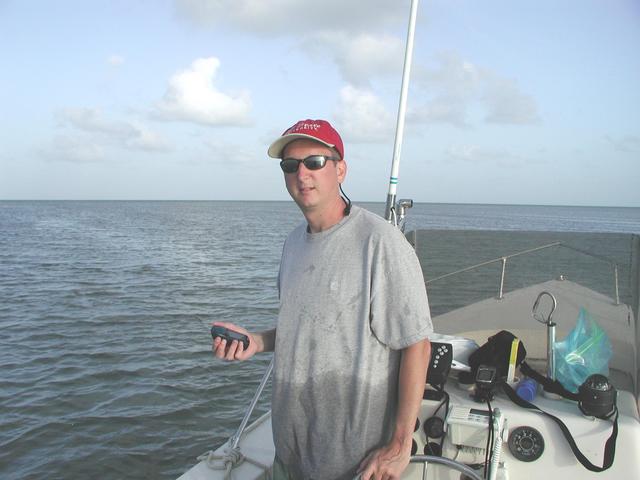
(504,259)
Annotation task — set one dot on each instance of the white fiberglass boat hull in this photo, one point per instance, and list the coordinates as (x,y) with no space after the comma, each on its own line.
(491,315)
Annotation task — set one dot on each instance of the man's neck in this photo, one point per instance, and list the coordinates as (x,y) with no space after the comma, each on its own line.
(321,220)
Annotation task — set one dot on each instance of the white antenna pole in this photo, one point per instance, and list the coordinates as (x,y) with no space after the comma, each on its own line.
(402,109)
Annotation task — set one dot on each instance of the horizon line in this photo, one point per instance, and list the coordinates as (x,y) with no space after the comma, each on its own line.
(290,201)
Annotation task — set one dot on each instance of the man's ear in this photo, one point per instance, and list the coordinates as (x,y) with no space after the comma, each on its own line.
(342,170)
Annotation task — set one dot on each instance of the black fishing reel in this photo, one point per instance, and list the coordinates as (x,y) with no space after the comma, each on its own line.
(597,397)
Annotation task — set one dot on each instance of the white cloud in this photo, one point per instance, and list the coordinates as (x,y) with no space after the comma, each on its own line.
(628,143)
(451,89)
(362,117)
(91,120)
(142,138)
(230,154)
(65,148)
(115,60)
(358,57)
(352,34)
(481,154)
(131,135)
(457,88)
(192,97)
(441,109)
(466,153)
(505,103)
(283,17)
(91,137)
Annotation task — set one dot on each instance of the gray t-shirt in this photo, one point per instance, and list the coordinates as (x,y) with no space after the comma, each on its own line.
(350,298)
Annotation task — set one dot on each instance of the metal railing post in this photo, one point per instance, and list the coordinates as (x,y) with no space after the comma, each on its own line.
(235,439)
(504,267)
(615,279)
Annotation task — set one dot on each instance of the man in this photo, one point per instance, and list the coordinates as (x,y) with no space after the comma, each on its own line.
(351,348)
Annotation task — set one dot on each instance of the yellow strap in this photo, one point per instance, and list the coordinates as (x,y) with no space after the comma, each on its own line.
(512,360)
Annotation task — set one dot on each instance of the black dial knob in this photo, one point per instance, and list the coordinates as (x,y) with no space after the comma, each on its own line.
(526,444)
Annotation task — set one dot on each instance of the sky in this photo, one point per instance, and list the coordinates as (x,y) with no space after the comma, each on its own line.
(528,102)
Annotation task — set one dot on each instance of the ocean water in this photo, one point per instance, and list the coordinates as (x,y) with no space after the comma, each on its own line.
(105,362)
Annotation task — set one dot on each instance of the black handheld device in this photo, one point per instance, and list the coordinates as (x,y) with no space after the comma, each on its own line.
(440,364)
(486,381)
(229,335)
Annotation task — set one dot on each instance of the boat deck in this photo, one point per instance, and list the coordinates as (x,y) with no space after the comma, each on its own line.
(513,313)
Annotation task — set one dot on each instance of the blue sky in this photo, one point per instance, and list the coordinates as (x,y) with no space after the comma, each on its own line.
(531,102)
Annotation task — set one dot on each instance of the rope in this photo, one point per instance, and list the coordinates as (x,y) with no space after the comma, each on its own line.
(231,458)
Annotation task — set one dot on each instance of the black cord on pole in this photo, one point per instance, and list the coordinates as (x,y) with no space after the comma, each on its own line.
(490,439)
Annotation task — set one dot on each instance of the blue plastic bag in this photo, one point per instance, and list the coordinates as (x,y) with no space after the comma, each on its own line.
(586,350)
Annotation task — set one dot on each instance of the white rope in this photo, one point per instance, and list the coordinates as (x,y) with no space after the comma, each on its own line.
(231,458)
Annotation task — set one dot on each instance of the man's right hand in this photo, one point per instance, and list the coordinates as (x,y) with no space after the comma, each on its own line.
(234,350)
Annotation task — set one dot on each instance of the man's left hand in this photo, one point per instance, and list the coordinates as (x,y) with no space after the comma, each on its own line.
(386,463)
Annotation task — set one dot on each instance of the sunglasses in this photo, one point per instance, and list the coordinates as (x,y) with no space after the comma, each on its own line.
(312,162)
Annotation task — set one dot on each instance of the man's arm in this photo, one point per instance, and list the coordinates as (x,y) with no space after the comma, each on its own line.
(258,342)
(391,460)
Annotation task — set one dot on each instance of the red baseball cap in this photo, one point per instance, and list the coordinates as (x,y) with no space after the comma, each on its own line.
(318,130)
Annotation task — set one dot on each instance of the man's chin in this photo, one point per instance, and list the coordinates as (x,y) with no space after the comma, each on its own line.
(306,200)
(306,206)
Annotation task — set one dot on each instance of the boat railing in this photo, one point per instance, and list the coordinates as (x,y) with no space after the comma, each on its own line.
(505,258)
(467,471)
(235,439)
(231,455)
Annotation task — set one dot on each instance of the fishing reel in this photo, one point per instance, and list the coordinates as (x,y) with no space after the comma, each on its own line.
(401,211)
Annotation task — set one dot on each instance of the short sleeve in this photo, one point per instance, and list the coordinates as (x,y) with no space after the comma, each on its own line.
(399,307)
